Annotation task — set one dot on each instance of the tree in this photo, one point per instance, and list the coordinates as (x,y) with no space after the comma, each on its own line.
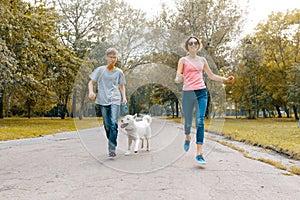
(30,34)
(8,68)
(216,23)
(248,86)
(164,96)
(279,39)
(293,92)
(128,33)
(79,24)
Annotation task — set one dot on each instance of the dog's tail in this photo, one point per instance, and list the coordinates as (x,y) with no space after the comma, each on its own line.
(148,119)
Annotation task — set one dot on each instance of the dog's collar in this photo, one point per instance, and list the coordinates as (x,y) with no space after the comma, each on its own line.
(129,129)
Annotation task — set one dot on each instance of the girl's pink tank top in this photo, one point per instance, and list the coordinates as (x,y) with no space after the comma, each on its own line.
(192,73)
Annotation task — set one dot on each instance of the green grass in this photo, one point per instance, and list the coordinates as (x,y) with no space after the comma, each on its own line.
(281,135)
(18,128)
(295,170)
(274,163)
(291,170)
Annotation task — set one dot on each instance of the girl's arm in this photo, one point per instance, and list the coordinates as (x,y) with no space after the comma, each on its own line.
(215,77)
(179,76)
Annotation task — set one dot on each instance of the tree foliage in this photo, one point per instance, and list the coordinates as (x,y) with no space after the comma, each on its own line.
(31,36)
(216,22)
(268,79)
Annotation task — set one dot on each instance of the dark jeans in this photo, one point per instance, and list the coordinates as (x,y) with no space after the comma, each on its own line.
(110,116)
(190,99)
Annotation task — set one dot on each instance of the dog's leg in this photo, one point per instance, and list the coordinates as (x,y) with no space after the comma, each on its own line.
(136,144)
(142,146)
(148,143)
(129,146)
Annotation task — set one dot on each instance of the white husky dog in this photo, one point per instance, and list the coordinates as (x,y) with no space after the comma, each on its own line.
(137,130)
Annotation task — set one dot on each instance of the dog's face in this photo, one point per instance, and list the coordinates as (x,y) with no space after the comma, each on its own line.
(128,120)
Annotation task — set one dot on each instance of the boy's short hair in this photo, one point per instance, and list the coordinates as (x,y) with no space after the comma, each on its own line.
(111,50)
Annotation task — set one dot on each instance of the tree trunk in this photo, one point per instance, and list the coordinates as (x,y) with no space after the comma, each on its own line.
(63,111)
(264,113)
(251,114)
(278,111)
(1,108)
(287,111)
(28,109)
(1,104)
(74,103)
(295,109)
(236,110)
(177,108)
(81,110)
(82,103)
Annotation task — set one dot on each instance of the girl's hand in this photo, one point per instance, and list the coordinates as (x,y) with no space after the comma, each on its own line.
(230,79)
(178,78)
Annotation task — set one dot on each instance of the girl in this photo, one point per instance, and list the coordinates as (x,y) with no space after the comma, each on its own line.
(189,70)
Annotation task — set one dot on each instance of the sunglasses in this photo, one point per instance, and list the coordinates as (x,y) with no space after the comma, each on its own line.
(193,43)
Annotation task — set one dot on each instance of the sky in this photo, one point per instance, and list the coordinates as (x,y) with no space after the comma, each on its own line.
(258,9)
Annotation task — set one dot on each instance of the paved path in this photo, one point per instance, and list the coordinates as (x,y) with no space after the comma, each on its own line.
(75,166)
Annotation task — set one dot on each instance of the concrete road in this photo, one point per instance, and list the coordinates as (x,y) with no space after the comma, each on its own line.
(75,165)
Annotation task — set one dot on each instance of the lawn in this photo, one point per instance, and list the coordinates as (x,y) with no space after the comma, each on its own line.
(18,128)
(281,135)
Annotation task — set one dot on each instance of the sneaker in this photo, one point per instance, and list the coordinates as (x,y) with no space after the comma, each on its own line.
(186,146)
(200,159)
(112,154)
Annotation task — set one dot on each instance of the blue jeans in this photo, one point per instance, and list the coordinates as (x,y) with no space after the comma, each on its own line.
(190,99)
(110,116)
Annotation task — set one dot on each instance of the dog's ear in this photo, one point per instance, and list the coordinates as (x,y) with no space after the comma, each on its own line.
(134,116)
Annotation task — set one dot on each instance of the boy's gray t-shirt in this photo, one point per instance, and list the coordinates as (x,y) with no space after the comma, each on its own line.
(108,85)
